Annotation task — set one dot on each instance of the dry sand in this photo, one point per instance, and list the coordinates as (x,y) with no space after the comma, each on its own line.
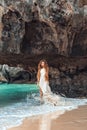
(71,120)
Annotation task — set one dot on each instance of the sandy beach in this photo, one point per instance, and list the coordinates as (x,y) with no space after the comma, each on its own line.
(70,120)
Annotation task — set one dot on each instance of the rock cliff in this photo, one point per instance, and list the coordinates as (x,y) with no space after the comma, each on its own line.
(36,26)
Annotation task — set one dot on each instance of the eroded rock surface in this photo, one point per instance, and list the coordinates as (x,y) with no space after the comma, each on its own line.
(27,26)
(17,74)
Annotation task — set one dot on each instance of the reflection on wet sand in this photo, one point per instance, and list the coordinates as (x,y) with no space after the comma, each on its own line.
(72,120)
(46,120)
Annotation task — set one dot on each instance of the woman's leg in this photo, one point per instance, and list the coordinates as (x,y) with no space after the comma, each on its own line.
(41,94)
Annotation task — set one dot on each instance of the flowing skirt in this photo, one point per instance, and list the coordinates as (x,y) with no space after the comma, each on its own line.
(48,95)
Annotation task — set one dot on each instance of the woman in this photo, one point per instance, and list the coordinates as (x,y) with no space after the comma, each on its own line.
(43,82)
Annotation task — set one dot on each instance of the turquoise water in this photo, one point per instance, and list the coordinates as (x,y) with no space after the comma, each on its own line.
(15,92)
(18,101)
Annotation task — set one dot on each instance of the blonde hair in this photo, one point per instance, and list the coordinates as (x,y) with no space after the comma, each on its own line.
(46,68)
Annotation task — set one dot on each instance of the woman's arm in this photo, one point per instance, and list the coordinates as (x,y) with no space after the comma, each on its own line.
(38,76)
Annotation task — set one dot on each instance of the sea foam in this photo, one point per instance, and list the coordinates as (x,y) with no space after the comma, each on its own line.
(14,113)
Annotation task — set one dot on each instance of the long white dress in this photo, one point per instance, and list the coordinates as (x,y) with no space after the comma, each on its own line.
(48,96)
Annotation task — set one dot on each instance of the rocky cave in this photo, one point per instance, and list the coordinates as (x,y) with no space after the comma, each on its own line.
(55,30)
(80,49)
(39,38)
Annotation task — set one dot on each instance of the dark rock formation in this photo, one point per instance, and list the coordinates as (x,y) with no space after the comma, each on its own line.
(39,38)
(38,27)
(14,74)
(34,29)
(71,82)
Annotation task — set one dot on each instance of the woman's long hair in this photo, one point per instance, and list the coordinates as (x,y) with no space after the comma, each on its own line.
(46,68)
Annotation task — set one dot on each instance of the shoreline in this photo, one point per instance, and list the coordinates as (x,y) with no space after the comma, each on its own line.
(71,120)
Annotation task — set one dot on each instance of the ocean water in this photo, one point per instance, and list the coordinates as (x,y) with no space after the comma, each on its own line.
(20,101)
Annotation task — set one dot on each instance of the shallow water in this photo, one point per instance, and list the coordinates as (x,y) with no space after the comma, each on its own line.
(10,93)
(20,101)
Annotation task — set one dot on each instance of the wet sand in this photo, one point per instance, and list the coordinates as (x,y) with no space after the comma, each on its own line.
(70,120)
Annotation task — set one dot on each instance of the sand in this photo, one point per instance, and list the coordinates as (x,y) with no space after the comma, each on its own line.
(71,120)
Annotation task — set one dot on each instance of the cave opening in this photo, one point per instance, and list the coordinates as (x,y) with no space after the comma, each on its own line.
(38,39)
(80,44)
